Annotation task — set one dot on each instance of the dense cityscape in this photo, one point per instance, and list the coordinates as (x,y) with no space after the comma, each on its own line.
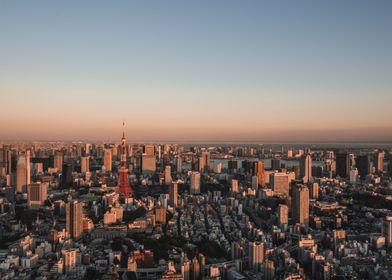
(170,211)
(196,140)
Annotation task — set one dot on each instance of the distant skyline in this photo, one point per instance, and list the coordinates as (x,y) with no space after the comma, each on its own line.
(203,71)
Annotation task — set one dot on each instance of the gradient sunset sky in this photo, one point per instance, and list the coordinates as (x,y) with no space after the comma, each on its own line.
(196,71)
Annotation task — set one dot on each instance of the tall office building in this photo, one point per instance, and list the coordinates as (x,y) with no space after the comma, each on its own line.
(195,269)
(234,186)
(148,164)
(258,170)
(37,193)
(283,215)
(256,255)
(205,161)
(275,164)
(390,164)
(58,161)
(178,164)
(300,205)
(173,194)
(306,167)
(107,160)
(74,218)
(149,150)
(66,175)
(232,166)
(5,160)
(195,182)
(362,162)
(87,149)
(379,161)
(168,177)
(279,182)
(353,175)
(70,260)
(236,250)
(314,190)
(85,164)
(269,270)
(186,269)
(160,215)
(388,231)
(22,173)
(343,165)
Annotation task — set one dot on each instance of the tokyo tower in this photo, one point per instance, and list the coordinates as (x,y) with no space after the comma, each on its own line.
(123,187)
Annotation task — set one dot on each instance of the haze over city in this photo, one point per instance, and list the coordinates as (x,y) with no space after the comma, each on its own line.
(195,140)
(202,71)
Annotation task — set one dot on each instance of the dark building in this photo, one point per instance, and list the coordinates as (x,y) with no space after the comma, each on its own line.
(232,165)
(275,164)
(342,164)
(66,175)
(5,159)
(362,163)
(390,164)
(246,165)
(317,171)
(46,162)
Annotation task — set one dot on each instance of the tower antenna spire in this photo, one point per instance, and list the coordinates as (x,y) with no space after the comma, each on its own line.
(123,129)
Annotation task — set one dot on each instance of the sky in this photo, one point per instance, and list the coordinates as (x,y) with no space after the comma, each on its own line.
(197,71)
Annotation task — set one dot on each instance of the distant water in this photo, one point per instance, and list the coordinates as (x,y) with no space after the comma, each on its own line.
(286,146)
(267,162)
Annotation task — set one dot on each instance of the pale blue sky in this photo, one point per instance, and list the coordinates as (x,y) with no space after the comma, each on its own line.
(203,70)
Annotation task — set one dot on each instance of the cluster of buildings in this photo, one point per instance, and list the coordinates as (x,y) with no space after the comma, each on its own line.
(122,211)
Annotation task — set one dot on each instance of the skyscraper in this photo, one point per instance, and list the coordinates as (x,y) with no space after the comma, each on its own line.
(258,170)
(269,270)
(275,164)
(168,177)
(66,175)
(195,182)
(148,163)
(388,231)
(256,255)
(362,162)
(234,185)
(107,160)
(379,161)
(300,205)
(70,259)
(5,160)
(74,218)
(342,164)
(58,161)
(85,164)
(279,182)
(37,193)
(390,164)
(160,215)
(283,215)
(185,269)
(22,173)
(205,161)
(314,190)
(195,269)
(178,164)
(149,150)
(306,167)
(173,194)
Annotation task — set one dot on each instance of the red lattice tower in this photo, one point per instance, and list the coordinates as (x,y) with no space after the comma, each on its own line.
(123,187)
